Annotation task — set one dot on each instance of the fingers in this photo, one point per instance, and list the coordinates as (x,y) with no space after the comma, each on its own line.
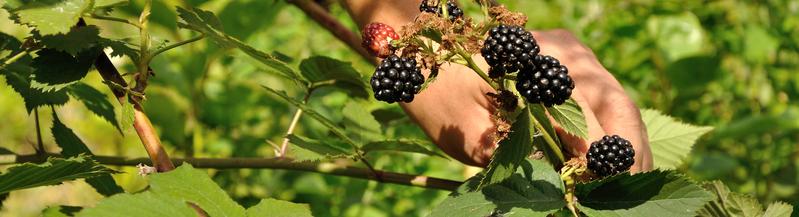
(607,102)
(576,145)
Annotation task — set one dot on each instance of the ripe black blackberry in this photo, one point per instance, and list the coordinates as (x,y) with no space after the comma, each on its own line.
(548,82)
(452,9)
(397,79)
(610,155)
(509,49)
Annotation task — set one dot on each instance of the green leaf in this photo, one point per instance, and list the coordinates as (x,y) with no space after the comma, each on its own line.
(656,193)
(125,118)
(315,115)
(321,69)
(121,48)
(74,41)
(95,101)
(208,24)
(759,45)
(669,139)
(102,4)
(18,76)
(359,124)
(728,203)
(329,149)
(677,36)
(278,208)
(511,151)
(539,113)
(534,190)
(145,204)
(72,146)
(188,184)
(52,172)
(570,117)
(61,211)
(778,209)
(54,68)
(9,45)
(49,16)
(403,145)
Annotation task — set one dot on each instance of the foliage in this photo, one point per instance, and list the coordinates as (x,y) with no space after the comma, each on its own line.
(52,172)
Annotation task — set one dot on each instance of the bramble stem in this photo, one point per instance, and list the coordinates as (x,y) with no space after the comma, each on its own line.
(329,168)
(178,44)
(115,19)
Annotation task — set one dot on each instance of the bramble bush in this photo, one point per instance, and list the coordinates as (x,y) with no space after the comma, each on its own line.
(243,86)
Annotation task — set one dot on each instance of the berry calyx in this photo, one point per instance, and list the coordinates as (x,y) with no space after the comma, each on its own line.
(397,79)
(548,82)
(610,155)
(509,49)
(452,9)
(377,39)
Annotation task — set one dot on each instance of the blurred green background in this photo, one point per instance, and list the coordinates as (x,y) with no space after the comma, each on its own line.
(727,64)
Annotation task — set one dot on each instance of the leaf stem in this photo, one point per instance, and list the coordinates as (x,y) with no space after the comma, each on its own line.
(40,145)
(551,142)
(178,44)
(14,58)
(472,65)
(337,169)
(293,125)
(115,19)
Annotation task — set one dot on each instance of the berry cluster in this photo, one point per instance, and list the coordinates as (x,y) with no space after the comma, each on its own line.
(548,82)
(610,155)
(397,79)
(509,49)
(452,9)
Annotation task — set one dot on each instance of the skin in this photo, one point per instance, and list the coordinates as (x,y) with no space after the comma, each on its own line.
(455,112)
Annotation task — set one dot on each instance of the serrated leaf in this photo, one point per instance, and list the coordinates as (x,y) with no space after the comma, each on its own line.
(511,151)
(50,16)
(402,145)
(188,184)
(336,130)
(535,189)
(52,172)
(18,76)
(671,141)
(72,146)
(329,149)
(655,193)
(321,69)
(570,117)
(76,40)
(208,24)
(95,101)
(52,67)
(61,211)
(778,209)
(728,203)
(120,48)
(125,117)
(359,124)
(539,113)
(145,204)
(9,45)
(278,208)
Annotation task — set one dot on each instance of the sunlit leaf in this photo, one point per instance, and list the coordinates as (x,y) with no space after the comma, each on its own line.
(570,117)
(671,141)
(49,16)
(278,208)
(511,151)
(53,172)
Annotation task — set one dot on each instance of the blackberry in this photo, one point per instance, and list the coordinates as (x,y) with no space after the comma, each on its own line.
(452,9)
(548,82)
(509,49)
(397,79)
(610,155)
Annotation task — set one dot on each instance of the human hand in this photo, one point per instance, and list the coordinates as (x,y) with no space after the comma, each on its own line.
(455,112)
